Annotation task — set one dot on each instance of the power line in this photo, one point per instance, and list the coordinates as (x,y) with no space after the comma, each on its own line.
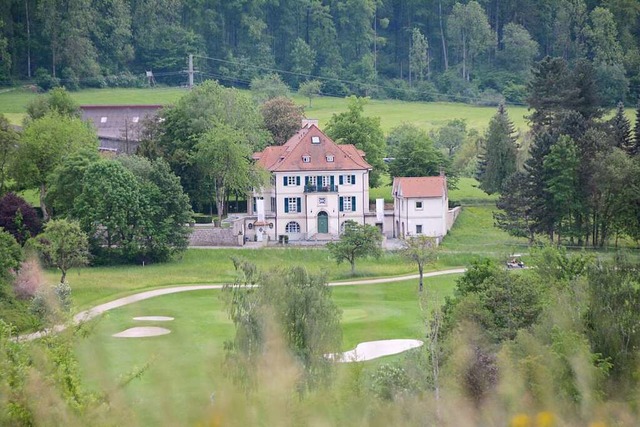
(451,98)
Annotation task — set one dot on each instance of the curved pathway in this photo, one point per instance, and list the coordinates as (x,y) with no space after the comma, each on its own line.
(120,302)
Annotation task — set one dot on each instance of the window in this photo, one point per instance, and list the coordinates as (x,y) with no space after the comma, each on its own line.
(103,119)
(418,205)
(350,179)
(322,201)
(291,180)
(346,204)
(326,180)
(136,119)
(419,229)
(292,227)
(273,204)
(315,140)
(329,157)
(292,204)
(306,159)
(311,180)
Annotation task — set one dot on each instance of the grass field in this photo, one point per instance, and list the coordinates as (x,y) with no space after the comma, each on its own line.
(185,364)
(391,113)
(473,235)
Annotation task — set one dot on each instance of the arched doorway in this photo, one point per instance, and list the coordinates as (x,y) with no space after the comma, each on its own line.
(323,222)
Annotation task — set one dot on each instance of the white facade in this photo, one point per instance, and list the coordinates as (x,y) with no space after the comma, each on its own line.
(419,215)
(420,206)
(317,185)
(300,208)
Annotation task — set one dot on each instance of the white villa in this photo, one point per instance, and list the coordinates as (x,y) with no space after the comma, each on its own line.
(318,185)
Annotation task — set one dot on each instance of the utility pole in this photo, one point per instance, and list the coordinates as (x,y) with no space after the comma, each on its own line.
(190,71)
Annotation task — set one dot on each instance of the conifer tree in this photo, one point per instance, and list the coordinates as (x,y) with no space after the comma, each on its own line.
(637,128)
(541,201)
(499,159)
(621,130)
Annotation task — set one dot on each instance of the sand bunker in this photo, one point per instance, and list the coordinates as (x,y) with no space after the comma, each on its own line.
(374,349)
(139,332)
(154,318)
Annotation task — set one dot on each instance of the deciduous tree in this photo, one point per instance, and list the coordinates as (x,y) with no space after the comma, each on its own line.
(63,245)
(291,303)
(268,87)
(224,158)
(57,100)
(469,30)
(352,127)
(451,136)
(18,218)
(204,108)
(8,143)
(357,241)
(282,118)
(421,250)
(310,89)
(419,55)
(414,154)
(44,144)
(518,51)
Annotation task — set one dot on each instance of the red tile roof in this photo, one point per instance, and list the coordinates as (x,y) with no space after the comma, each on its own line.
(423,186)
(288,157)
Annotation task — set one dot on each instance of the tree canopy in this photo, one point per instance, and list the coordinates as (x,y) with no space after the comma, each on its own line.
(353,127)
(43,146)
(357,241)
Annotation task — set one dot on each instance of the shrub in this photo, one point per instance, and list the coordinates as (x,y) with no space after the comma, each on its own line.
(29,279)
(125,79)
(46,81)
(390,381)
(202,219)
(18,218)
(70,80)
(97,81)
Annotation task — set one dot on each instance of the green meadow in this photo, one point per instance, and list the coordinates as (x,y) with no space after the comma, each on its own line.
(392,113)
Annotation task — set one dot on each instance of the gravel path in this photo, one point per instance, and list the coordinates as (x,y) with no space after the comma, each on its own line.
(120,302)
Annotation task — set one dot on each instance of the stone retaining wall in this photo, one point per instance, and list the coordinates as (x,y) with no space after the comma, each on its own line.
(208,235)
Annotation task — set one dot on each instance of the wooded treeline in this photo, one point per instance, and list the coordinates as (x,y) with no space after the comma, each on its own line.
(474,51)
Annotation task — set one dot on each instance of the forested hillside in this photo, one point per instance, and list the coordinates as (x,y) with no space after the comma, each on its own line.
(472,51)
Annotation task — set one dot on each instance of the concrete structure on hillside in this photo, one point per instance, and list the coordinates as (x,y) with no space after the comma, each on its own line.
(119,126)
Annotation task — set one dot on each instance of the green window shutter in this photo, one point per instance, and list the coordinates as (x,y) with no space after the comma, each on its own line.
(353,203)
(299,204)
(284,181)
(340,180)
(286,205)
(306,181)
(353,179)
(341,204)
(255,207)
(297,180)
(331,180)
(319,181)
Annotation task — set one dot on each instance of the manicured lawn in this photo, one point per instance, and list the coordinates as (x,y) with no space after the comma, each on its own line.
(185,364)
(98,284)
(472,235)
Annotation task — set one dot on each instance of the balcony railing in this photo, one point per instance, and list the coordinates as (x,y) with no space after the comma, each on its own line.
(320,189)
